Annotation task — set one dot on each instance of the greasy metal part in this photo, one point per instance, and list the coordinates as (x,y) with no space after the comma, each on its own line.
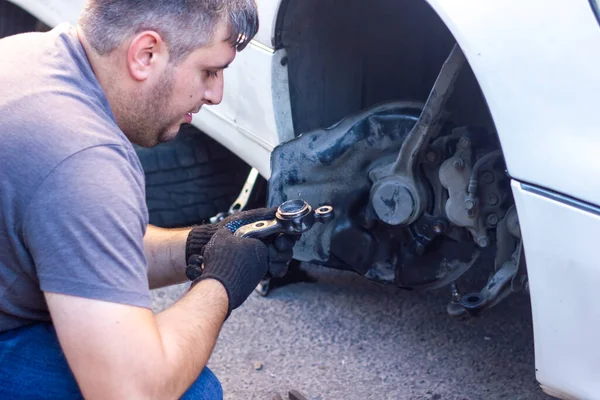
(506,278)
(455,292)
(330,166)
(452,270)
(512,222)
(488,178)
(316,167)
(430,253)
(398,195)
(242,201)
(454,175)
(500,285)
(425,230)
(454,308)
(430,121)
(506,241)
(293,217)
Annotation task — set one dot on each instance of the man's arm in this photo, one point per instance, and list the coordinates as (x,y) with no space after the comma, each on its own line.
(165,254)
(120,351)
(165,249)
(124,352)
(84,231)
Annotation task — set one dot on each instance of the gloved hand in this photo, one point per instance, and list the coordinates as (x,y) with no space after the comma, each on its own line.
(280,249)
(200,235)
(238,263)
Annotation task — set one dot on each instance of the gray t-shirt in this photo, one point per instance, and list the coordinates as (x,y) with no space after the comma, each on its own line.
(72,201)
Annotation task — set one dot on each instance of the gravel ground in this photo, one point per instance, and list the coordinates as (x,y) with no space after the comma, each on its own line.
(346,338)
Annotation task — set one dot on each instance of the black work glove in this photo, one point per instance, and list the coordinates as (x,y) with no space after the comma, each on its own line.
(238,263)
(200,235)
(280,249)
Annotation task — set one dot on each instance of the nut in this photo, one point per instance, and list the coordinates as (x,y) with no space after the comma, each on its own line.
(483,242)
(431,157)
(464,142)
(488,177)
(492,219)
(492,199)
(469,204)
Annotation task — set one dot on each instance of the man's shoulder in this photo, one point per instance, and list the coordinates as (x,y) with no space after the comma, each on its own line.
(47,139)
(53,104)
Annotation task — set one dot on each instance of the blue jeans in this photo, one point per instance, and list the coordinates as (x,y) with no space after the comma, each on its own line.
(33,366)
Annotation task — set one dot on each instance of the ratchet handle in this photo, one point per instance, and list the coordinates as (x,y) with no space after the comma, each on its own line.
(260,229)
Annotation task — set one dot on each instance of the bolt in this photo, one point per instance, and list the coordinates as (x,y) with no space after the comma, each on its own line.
(488,177)
(469,205)
(464,142)
(431,157)
(455,293)
(459,163)
(438,228)
(492,219)
(483,242)
(492,199)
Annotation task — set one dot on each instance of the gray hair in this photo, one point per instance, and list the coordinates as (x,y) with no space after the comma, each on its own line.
(184,25)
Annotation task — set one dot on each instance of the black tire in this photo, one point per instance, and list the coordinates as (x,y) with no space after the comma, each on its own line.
(14,20)
(190,179)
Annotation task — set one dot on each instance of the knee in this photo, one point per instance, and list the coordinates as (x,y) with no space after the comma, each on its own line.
(206,387)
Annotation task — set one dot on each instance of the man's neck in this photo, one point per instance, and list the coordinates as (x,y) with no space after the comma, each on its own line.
(102,66)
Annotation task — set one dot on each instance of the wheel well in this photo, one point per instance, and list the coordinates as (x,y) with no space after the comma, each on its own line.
(346,56)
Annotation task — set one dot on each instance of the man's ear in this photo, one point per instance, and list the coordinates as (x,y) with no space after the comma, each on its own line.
(146,53)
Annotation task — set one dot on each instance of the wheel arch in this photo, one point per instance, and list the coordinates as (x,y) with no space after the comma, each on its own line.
(355,61)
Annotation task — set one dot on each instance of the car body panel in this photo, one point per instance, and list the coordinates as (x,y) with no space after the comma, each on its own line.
(559,237)
(538,67)
(251,129)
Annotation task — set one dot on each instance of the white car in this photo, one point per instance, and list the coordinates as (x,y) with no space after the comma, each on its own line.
(449,136)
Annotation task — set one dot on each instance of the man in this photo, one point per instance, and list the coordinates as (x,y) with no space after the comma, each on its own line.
(77,259)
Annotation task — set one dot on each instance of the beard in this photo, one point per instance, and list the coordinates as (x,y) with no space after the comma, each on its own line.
(149,122)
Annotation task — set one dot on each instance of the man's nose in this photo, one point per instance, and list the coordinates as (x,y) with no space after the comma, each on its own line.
(214,92)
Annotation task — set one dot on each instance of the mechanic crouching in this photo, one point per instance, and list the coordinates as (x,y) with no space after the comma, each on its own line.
(77,257)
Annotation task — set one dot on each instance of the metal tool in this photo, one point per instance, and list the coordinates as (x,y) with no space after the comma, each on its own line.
(294,217)
(242,201)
